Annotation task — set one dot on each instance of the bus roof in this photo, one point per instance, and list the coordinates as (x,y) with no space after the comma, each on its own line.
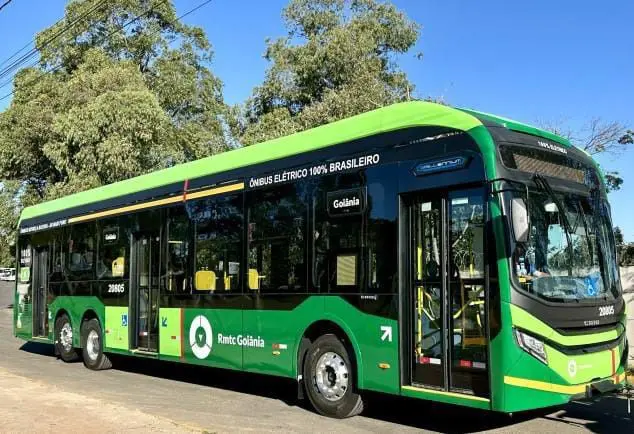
(385,119)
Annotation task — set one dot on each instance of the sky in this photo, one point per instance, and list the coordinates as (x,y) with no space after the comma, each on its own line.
(542,61)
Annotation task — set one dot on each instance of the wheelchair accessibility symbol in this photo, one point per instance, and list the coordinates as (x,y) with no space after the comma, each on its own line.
(200,337)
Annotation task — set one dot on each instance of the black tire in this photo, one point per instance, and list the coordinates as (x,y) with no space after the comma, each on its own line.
(344,401)
(62,327)
(94,357)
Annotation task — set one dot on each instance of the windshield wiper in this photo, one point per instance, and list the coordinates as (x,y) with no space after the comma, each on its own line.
(545,185)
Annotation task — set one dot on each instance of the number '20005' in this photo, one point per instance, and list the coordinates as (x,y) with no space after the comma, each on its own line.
(116,288)
(606,310)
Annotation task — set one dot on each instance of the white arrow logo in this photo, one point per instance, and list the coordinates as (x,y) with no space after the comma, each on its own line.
(387,333)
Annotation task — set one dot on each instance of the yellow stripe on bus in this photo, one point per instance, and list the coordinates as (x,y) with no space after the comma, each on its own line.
(572,389)
(440,392)
(159,202)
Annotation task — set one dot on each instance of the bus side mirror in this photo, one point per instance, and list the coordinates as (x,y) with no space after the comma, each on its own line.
(519,217)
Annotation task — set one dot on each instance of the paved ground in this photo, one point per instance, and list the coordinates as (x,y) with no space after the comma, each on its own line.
(154,397)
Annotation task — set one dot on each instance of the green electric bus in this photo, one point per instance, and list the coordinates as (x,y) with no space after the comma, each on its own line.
(417,250)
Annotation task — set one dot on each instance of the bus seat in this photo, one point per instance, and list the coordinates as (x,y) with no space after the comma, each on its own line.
(118,267)
(205,280)
(254,279)
(227,280)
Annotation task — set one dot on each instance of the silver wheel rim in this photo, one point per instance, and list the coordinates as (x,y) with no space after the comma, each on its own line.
(331,376)
(66,337)
(93,345)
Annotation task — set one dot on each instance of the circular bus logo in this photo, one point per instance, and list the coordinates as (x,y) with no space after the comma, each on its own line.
(572,368)
(200,337)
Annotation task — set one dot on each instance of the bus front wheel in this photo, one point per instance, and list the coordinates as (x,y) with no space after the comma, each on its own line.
(92,346)
(329,378)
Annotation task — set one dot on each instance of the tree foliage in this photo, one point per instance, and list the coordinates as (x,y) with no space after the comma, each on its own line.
(624,250)
(128,90)
(337,60)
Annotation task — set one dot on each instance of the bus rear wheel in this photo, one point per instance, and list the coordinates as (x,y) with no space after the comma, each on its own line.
(64,339)
(329,378)
(92,346)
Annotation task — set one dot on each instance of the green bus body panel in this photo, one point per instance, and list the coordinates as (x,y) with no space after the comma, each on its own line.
(76,307)
(227,322)
(22,319)
(281,333)
(117,331)
(525,320)
(375,351)
(390,118)
(562,370)
(487,147)
(170,331)
(500,359)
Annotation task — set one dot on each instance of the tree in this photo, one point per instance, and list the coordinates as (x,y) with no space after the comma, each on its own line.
(120,93)
(618,237)
(338,60)
(599,137)
(8,217)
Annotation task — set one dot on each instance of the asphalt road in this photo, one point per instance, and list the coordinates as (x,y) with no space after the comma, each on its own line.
(214,400)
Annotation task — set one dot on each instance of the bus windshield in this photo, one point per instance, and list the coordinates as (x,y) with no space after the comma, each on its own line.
(570,254)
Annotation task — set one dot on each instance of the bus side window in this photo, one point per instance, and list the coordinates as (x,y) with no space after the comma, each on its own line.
(56,255)
(177,258)
(217,225)
(277,238)
(340,233)
(114,252)
(81,252)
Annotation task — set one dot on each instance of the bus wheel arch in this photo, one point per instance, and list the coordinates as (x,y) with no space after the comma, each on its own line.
(324,342)
(63,337)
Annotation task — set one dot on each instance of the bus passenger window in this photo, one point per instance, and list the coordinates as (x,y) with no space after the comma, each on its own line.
(277,243)
(81,251)
(56,255)
(113,250)
(217,226)
(177,252)
(340,235)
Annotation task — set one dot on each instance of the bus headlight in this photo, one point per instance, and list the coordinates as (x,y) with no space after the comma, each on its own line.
(532,346)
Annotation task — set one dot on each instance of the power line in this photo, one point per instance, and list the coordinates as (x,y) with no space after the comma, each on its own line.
(5,4)
(32,53)
(123,26)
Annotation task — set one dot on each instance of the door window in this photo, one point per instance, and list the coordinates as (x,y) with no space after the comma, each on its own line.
(428,293)
(466,290)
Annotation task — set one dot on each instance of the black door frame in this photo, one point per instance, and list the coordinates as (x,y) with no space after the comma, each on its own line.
(40,291)
(406,280)
(133,306)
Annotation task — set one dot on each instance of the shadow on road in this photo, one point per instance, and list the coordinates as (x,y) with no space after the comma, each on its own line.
(607,415)
(38,348)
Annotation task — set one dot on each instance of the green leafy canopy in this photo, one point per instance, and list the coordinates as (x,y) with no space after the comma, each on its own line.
(338,60)
(127,91)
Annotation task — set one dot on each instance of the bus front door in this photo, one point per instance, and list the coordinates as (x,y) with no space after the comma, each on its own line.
(144,300)
(447,299)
